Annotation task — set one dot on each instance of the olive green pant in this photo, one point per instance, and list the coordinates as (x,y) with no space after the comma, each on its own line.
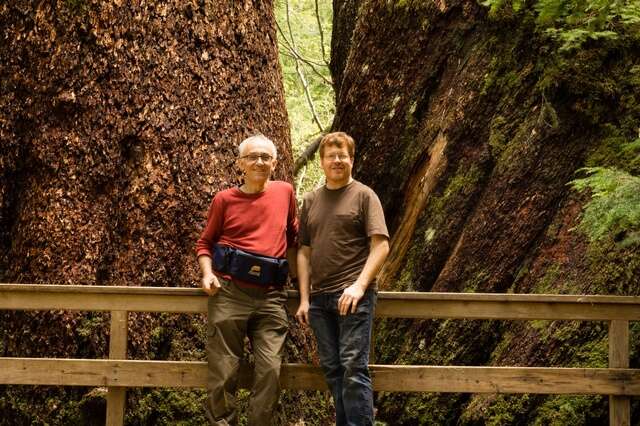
(236,312)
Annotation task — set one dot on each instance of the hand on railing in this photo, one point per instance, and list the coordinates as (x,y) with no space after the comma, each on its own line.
(210,284)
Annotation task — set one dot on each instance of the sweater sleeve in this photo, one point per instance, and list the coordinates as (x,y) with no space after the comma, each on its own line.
(211,233)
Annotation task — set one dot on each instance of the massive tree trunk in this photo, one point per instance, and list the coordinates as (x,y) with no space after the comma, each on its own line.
(118,121)
(469,129)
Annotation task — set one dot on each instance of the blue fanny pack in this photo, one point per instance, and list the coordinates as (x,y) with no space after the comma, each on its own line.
(249,267)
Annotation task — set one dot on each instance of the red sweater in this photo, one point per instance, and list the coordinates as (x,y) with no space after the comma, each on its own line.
(263,223)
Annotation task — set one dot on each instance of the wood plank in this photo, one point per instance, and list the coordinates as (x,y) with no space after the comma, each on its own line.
(292,294)
(506,310)
(116,395)
(396,305)
(118,335)
(390,378)
(102,302)
(619,406)
(102,289)
(508,297)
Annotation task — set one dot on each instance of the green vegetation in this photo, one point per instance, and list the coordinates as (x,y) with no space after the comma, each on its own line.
(573,22)
(615,205)
(167,407)
(614,210)
(304,41)
(571,410)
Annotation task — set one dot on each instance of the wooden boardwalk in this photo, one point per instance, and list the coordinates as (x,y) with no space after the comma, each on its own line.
(117,373)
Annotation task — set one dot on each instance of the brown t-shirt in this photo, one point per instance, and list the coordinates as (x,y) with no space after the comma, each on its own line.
(337,225)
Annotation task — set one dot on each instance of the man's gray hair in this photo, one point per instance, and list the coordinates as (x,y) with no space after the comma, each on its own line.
(257,138)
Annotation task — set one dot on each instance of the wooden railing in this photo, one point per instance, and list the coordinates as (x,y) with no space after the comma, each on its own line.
(117,373)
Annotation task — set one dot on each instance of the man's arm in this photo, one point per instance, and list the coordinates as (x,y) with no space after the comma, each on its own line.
(304,256)
(378,252)
(209,281)
(292,254)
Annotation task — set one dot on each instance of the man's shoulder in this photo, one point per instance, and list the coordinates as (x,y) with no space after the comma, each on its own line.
(361,188)
(225,193)
(280,185)
(311,195)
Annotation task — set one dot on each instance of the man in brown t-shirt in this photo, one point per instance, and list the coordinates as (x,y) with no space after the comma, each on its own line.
(344,241)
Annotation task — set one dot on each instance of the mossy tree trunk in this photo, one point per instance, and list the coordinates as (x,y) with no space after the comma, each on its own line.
(118,121)
(469,129)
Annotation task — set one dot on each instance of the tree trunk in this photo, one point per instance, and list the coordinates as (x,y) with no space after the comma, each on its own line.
(118,122)
(469,129)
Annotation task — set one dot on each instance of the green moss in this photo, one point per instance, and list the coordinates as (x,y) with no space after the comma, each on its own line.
(523,271)
(503,74)
(55,406)
(460,185)
(491,77)
(463,182)
(90,324)
(571,410)
(405,280)
(167,407)
(547,284)
(502,347)
(611,151)
(390,330)
(592,354)
(540,325)
(410,5)
(505,410)
(476,282)
(497,137)
(612,270)
(410,145)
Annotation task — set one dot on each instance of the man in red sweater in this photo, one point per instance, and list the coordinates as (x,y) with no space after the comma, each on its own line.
(254,221)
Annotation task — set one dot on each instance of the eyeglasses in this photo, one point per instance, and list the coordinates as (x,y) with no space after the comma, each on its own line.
(252,158)
(341,157)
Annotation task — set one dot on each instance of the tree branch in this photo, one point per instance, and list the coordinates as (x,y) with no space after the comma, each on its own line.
(293,54)
(299,71)
(307,154)
(324,56)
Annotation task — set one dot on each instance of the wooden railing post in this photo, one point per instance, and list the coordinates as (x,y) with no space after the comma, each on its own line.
(619,406)
(117,350)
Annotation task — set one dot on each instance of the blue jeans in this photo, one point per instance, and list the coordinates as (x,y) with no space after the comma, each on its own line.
(343,346)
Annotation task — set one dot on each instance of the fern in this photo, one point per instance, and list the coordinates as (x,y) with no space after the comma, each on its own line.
(573,22)
(630,14)
(614,209)
(633,146)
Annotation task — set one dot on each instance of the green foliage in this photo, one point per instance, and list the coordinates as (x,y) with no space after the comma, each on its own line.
(635,145)
(571,410)
(298,21)
(167,407)
(573,22)
(615,205)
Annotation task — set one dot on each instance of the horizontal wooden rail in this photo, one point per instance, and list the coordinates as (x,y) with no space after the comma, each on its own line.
(618,381)
(390,304)
(410,378)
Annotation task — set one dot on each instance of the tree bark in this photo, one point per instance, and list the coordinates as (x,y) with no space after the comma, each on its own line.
(118,122)
(344,20)
(469,130)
